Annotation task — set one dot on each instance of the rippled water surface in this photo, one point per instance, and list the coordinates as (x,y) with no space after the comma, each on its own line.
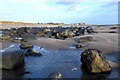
(54,61)
(63,61)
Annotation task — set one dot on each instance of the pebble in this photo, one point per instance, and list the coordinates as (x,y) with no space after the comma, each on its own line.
(74,69)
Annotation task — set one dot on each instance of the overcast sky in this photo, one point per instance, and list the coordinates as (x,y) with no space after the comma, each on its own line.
(61,11)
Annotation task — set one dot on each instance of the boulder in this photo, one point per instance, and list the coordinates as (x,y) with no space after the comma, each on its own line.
(28,37)
(94,61)
(113,27)
(12,58)
(89,29)
(26,46)
(84,32)
(45,30)
(64,33)
(49,34)
(16,40)
(58,36)
(13,31)
(40,34)
(79,46)
(71,34)
(77,33)
(5,37)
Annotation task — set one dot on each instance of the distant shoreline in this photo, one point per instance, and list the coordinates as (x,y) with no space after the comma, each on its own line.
(10,24)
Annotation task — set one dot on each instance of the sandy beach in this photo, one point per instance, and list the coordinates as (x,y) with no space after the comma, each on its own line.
(62,56)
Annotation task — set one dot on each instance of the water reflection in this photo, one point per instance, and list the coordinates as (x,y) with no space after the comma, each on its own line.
(16,73)
(100,76)
(62,61)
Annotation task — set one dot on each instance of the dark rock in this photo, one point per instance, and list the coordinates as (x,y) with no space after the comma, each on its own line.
(94,61)
(112,32)
(89,29)
(64,33)
(113,27)
(31,52)
(40,34)
(13,31)
(12,58)
(84,32)
(49,34)
(26,46)
(5,37)
(46,29)
(79,46)
(55,76)
(77,33)
(32,33)
(16,40)
(28,37)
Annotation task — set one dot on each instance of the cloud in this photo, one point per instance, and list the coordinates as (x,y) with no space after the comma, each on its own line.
(79,8)
(65,3)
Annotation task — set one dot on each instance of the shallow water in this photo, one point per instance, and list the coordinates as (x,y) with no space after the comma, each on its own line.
(63,61)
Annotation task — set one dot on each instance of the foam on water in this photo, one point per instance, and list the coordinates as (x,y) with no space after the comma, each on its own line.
(40,49)
(72,47)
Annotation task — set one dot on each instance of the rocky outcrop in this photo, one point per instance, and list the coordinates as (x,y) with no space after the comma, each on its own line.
(12,58)
(29,50)
(32,33)
(94,61)
(64,33)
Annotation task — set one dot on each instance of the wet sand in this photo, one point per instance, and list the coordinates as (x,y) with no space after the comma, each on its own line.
(106,42)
